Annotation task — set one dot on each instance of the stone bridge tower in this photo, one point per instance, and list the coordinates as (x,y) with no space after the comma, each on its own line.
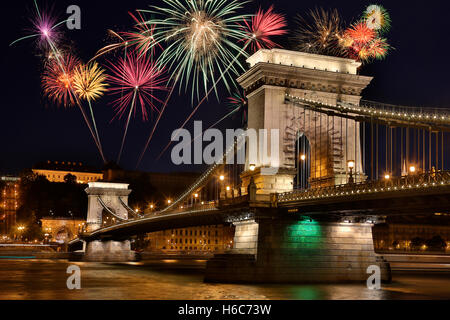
(333,141)
(107,198)
(111,194)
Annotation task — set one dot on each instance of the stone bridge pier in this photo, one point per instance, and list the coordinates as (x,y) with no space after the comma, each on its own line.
(302,251)
(105,201)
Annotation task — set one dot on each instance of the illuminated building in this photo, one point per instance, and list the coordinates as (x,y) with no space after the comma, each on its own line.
(9,200)
(399,235)
(55,171)
(204,239)
(61,229)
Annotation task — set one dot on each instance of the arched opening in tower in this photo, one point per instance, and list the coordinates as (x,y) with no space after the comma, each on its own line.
(302,161)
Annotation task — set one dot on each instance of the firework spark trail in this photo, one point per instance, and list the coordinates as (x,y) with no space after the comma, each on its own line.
(78,103)
(217,122)
(135,78)
(89,84)
(57,56)
(142,39)
(200,103)
(126,127)
(155,125)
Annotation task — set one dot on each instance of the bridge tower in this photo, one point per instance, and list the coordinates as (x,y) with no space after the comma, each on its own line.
(333,141)
(277,245)
(111,194)
(111,200)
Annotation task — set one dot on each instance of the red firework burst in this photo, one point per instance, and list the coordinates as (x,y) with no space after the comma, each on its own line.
(361,33)
(262,26)
(135,79)
(57,79)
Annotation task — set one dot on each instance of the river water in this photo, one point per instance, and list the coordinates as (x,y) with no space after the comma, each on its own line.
(170,279)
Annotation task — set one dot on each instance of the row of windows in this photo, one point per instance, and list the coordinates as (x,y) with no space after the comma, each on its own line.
(176,241)
(191,248)
(192,232)
(84,178)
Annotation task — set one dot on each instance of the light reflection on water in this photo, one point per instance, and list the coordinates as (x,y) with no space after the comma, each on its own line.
(174,279)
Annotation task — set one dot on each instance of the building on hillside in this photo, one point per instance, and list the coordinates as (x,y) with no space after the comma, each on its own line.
(61,229)
(9,200)
(193,240)
(55,171)
(162,186)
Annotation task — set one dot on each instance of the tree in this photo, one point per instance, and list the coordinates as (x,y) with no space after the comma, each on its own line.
(40,196)
(436,244)
(417,243)
(70,178)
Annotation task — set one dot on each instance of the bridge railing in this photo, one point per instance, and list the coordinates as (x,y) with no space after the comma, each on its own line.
(424,180)
(207,205)
(437,116)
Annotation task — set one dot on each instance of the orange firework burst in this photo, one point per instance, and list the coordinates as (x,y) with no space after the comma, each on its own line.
(57,79)
(360,32)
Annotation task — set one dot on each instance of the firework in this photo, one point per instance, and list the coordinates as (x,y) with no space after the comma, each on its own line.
(238,102)
(320,33)
(140,75)
(89,81)
(89,84)
(113,46)
(44,30)
(360,33)
(136,79)
(142,38)
(57,80)
(261,27)
(378,48)
(201,38)
(377,18)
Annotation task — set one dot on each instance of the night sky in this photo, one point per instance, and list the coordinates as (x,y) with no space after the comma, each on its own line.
(416,73)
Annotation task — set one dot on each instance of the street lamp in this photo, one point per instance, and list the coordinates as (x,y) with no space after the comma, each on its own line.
(387,176)
(350,165)
(252,167)
(303,157)
(412,169)
(169,201)
(222,177)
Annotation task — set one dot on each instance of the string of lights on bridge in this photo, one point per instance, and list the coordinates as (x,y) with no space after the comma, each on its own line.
(369,111)
(388,185)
